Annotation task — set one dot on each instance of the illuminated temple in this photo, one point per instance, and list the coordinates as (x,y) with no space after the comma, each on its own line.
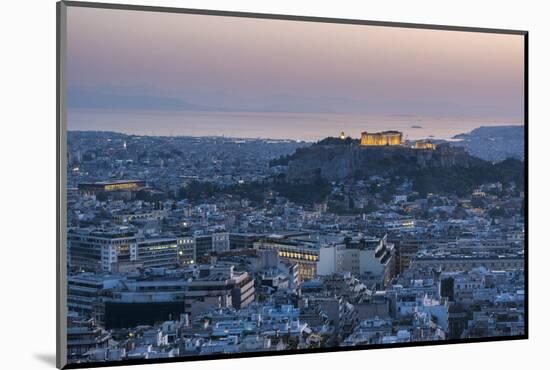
(424,145)
(381,138)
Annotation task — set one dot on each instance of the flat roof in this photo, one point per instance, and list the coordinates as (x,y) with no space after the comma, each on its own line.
(113,182)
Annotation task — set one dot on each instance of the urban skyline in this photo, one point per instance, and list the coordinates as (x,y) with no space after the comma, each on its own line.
(245,186)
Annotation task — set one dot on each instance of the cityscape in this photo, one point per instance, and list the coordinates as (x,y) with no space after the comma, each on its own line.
(186,246)
(245,186)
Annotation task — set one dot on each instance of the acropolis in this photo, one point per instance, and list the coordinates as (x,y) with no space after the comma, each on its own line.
(381,138)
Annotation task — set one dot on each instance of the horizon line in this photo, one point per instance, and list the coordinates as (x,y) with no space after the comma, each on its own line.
(268,138)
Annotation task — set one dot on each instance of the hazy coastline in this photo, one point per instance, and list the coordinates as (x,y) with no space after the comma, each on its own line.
(298,126)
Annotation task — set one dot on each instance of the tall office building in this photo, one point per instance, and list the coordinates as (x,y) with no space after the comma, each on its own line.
(158,252)
(101,250)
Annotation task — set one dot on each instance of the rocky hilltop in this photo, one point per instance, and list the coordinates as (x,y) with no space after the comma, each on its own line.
(337,162)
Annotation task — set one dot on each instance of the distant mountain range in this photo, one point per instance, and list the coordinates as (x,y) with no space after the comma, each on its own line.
(77,98)
(494,143)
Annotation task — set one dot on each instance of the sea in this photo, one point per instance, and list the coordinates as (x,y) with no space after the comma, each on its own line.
(273,125)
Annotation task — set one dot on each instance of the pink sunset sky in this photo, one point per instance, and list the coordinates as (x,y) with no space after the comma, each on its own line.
(117,59)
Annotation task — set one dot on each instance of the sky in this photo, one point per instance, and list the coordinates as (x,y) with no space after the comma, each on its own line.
(135,61)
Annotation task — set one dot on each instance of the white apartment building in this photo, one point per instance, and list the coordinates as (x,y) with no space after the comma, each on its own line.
(101,250)
(357,259)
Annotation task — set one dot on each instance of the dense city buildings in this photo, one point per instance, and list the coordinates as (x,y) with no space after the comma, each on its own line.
(191,246)
(255,185)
